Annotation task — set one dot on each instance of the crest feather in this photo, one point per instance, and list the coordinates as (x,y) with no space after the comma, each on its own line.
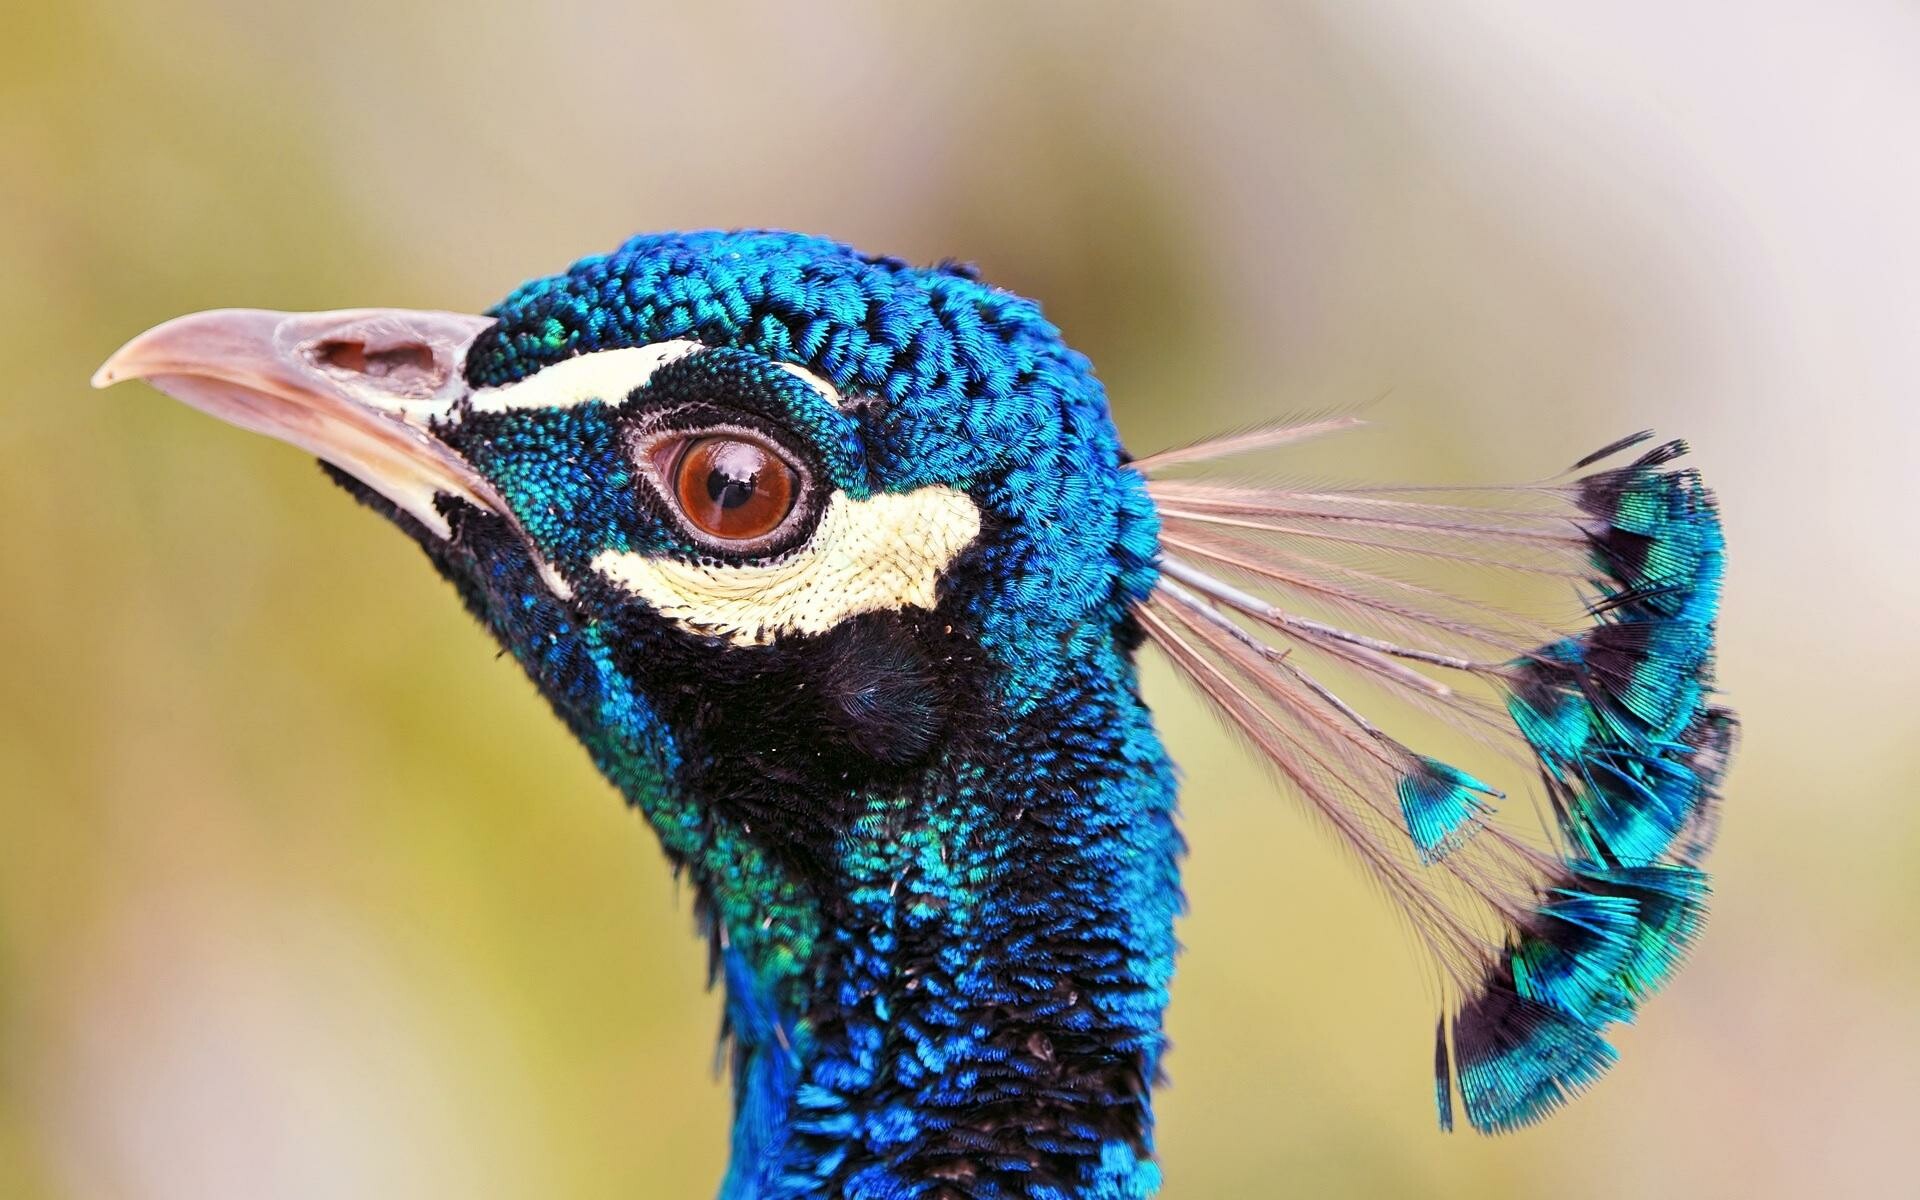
(1274,600)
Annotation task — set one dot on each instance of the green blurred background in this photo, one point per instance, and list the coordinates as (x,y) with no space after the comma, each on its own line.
(304,894)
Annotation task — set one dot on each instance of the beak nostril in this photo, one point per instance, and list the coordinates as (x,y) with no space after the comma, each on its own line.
(342,356)
(408,360)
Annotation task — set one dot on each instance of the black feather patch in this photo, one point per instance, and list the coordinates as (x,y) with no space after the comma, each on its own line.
(878,690)
(786,739)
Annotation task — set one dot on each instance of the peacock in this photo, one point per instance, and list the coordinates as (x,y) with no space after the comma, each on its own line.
(838,569)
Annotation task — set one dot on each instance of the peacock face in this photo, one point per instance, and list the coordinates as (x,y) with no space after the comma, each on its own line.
(721,523)
(732,496)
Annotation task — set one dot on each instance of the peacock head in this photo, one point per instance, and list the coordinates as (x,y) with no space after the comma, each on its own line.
(817,511)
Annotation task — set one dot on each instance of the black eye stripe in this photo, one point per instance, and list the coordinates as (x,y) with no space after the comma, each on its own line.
(729,378)
(702,417)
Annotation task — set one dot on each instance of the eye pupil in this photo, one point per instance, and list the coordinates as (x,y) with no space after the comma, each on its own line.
(733,488)
(728,492)
(736,469)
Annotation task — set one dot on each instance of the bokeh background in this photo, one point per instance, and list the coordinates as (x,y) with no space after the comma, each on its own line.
(303,893)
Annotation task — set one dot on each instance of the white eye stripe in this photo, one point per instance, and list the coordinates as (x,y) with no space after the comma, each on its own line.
(609,376)
(884,553)
(816,383)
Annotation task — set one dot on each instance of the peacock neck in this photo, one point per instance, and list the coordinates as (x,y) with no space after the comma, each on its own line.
(973,1007)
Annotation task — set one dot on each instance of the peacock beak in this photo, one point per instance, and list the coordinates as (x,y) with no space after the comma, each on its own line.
(359,388)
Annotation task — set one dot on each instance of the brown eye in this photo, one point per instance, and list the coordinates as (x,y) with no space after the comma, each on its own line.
(731,488)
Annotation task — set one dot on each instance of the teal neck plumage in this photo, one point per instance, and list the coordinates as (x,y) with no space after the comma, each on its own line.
(968,1001)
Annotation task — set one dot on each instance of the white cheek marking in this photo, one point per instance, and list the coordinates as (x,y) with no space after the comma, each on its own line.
(880,554)
(608,375)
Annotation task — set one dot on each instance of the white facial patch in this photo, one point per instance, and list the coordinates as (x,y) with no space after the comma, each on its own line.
(884,553)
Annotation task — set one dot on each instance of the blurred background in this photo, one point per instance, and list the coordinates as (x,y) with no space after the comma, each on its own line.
(303,892)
